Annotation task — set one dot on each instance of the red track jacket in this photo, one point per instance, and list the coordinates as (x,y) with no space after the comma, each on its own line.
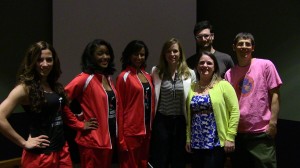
(131,118)
(94,104)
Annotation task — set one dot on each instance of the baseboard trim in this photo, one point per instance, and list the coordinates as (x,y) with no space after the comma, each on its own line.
(11,163)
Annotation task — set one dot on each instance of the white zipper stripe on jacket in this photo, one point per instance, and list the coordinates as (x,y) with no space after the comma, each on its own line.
(108,113)
(85,86)
(87,81)
(144,99)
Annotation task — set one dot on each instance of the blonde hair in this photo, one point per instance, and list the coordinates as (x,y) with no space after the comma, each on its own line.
(163,66)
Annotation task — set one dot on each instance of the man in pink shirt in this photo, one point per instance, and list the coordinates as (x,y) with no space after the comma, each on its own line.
(256,82)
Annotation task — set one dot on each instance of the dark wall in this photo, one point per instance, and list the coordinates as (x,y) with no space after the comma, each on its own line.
(153,21)
(22,23)
(275,26)
(10,150)
(287,143)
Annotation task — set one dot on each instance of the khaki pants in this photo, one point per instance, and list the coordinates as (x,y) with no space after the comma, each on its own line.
(254,151)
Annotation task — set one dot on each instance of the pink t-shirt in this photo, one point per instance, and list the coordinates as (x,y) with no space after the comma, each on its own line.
(252,84)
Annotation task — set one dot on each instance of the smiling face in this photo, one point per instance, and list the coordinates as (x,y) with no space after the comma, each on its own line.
(173,54)
(102,56)
(243,49)
(44,64)
(138,59)
(204,38)
(206,67)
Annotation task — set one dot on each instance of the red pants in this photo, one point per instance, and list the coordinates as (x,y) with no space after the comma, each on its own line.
(59,159)
(138,152)
(95,158)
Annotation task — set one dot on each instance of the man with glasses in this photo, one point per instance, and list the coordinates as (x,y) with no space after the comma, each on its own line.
(204,37)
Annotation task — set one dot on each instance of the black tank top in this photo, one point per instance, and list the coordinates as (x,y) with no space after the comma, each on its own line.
(112,113)
(147,102)
(48,122)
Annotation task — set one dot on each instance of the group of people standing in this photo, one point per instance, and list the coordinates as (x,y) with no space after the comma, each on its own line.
(149,120)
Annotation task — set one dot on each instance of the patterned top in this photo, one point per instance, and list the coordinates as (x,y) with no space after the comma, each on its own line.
(171,96)
(204,129)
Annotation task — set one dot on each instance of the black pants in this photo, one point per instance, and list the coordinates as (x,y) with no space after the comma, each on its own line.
(168,141)
(208,158)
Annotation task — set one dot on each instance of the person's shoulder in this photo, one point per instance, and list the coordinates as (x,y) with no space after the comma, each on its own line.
(21,88)
(236,66)
(222,54)
(155,70)
(123,72)
(192,75)
(82,76)
(79,79)
(263,62)
(192,72)
(20,93)
(224,82)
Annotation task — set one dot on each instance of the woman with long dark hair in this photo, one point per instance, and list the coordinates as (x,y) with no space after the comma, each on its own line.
(43,99)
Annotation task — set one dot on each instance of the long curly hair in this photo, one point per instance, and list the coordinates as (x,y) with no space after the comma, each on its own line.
(30,77)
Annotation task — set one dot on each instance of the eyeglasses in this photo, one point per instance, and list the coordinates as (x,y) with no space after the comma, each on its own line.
(201,36)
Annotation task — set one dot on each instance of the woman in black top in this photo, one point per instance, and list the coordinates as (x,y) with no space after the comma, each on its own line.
(43,98)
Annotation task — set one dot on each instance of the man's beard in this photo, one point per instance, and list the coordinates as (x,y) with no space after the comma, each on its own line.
(205,47)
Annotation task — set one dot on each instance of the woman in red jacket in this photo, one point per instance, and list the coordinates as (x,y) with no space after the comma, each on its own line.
(98,99)
(136,91)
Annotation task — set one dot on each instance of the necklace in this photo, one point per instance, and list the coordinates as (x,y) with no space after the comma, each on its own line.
(203,87)
(45,91)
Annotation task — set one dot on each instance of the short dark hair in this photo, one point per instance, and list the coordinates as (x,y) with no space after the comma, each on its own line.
(244,35)
(203,25)
(131,48)
(88,64)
